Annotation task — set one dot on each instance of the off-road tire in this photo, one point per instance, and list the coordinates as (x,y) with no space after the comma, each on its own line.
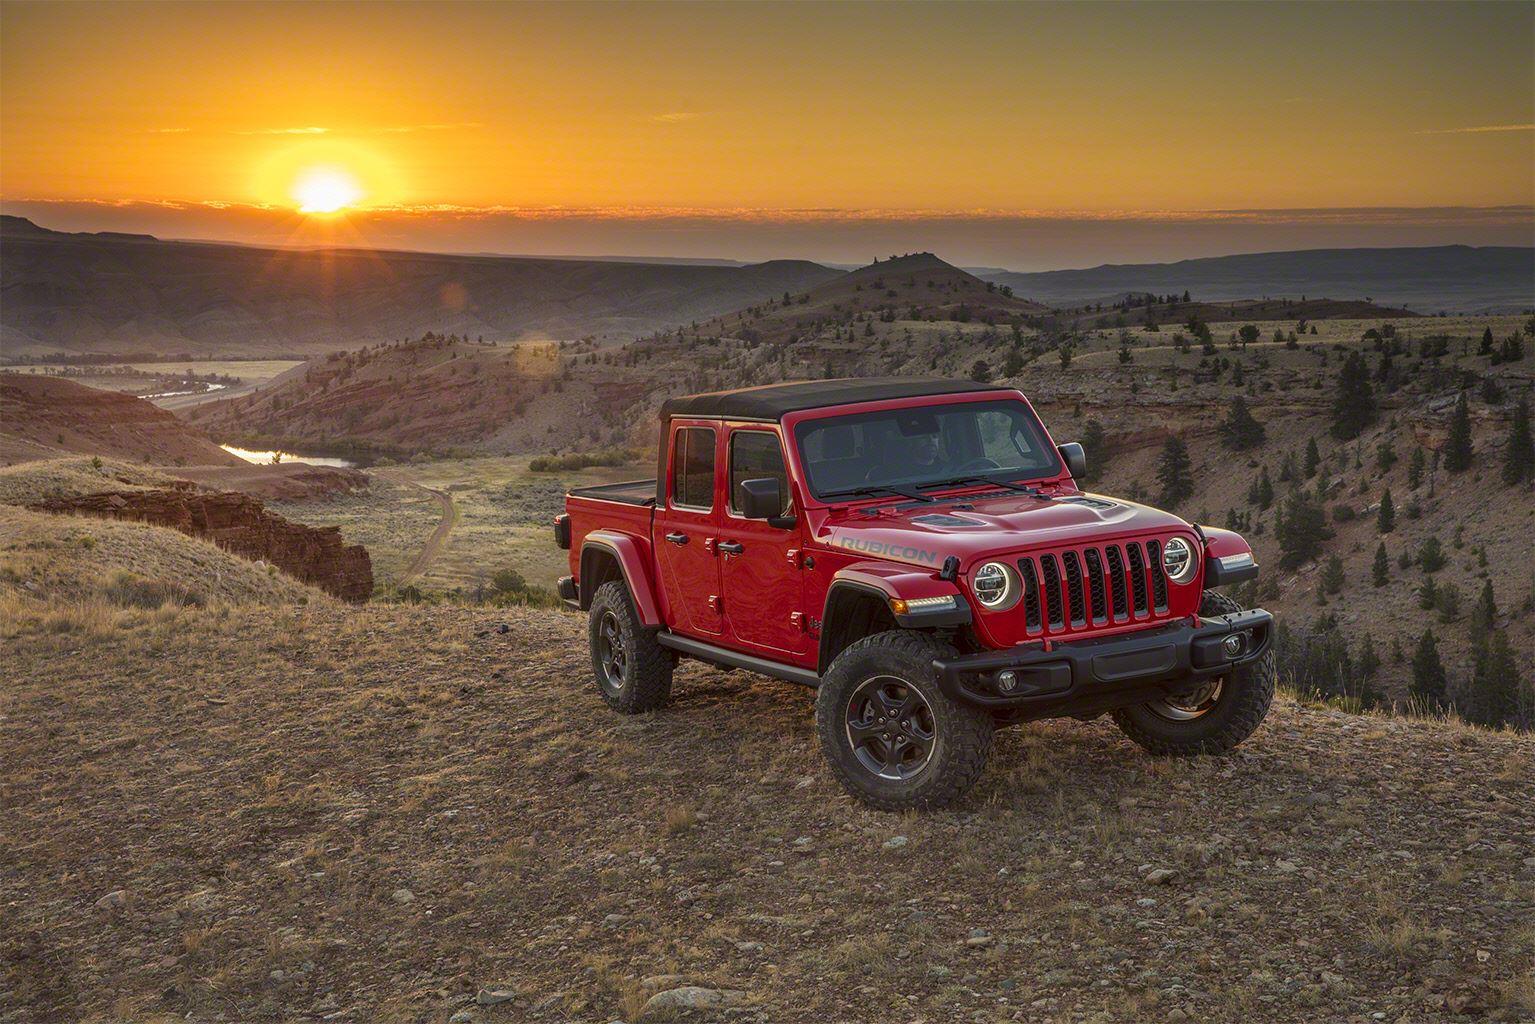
(962,734)
(647,684)
(1246,693)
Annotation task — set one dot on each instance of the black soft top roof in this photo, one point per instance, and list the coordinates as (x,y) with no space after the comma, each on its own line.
(772,401)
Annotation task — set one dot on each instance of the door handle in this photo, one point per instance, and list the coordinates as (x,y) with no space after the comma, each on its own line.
(731,547)
(678,539)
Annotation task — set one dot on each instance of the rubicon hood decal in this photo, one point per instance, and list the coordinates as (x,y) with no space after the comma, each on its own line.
(884,549)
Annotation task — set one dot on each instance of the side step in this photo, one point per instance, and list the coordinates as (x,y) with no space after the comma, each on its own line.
(735,659)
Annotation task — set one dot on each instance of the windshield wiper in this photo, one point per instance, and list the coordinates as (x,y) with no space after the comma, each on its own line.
(960,480)
(870,492)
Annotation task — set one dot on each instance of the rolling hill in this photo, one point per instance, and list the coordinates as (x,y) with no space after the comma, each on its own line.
(134,294)
(43,417)
(1456,278)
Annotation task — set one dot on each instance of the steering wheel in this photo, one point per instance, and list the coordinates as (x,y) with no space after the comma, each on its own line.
(977,464)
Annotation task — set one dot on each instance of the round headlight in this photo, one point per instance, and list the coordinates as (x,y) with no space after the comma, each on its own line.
(1178,560)
(993,584)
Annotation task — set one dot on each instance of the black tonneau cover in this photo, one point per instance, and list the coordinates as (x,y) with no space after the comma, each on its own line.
(628,492)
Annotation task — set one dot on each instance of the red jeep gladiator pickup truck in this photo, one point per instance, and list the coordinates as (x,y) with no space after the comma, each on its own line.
(919,552)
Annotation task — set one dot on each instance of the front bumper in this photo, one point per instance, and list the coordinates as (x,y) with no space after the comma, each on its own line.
(1087,677)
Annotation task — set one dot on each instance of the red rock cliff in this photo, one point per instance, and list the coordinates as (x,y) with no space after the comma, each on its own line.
(240,524)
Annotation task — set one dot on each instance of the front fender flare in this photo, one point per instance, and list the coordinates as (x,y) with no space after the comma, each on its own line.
(631,563)
(1228,558)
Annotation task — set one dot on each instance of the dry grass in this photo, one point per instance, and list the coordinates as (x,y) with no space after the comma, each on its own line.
(378,812)
(68,569)
(32,482)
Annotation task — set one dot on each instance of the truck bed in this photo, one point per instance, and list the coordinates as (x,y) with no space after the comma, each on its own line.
(627,492)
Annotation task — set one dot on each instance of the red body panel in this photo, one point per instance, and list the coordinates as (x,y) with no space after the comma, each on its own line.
(766,599)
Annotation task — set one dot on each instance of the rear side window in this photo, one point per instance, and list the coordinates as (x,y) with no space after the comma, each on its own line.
(755,454)
(693,468)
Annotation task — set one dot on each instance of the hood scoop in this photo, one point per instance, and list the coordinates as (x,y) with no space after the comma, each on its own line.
(1097,503)
(943,519)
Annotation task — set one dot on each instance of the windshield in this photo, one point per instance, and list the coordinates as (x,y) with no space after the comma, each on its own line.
(902,449)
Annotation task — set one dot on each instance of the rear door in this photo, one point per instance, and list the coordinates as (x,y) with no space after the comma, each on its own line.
(686,526)
(761,576)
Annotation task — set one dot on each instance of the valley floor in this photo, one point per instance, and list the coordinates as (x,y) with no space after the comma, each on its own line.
(377,814)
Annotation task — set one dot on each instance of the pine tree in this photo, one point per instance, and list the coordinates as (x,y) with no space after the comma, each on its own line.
(1486,349)
(1261,493)
(1240,431)
(1484,616)
(1301,529)
(1313,458)
(1415,469)
(1428,679)
(1380,573)
(1175,473)
(1458,452)
(1096,447)
(1332,575)
(1353,406)
(1385,521)
(1491,696)
(1519,459)
(1428,594)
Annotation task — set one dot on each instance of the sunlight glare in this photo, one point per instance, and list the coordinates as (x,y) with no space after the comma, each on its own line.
(326,190)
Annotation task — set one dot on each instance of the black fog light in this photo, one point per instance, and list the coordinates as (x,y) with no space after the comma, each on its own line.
(1233,645)
(1007,681)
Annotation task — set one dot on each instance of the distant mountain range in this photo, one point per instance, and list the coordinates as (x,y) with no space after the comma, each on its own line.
(137,296)
(1449,278)
(114,293)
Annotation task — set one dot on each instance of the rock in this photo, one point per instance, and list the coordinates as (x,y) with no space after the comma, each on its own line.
(1285,867)
(494,996)
(689,997)
(1161,876)
(242,526)
(461,1017)
(895,842)
(114,900)
(614,920)
(748,947)
(657,982)
(979,937)
(403,896)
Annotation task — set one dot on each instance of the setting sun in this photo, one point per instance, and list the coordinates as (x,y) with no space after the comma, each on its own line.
(326,190)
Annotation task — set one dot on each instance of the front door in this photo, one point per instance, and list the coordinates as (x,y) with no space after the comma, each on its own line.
(759,564)
(686,528)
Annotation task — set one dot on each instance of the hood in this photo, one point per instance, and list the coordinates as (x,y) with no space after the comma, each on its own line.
(972,528)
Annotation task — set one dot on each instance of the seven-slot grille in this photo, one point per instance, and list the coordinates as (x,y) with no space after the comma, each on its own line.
(1102,585)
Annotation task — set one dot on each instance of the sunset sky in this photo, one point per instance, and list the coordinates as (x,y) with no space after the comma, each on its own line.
(1030,136)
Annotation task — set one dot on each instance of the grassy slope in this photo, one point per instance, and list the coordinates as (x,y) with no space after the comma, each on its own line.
(98,564)
(299,825)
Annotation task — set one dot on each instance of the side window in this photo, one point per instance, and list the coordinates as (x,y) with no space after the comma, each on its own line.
(693,468)
(755,454)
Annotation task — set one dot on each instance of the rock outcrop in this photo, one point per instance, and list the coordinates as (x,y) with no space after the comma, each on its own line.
(239,524)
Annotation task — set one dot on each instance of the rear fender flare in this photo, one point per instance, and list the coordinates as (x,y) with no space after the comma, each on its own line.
(631,564)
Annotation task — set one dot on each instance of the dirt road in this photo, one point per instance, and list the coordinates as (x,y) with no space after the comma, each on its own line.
(439,538)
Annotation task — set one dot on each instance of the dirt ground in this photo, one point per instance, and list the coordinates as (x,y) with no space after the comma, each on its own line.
(409,814)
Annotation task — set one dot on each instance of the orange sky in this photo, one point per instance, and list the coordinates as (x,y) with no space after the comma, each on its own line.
(748,111)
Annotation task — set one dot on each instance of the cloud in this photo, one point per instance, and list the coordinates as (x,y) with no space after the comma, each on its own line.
(402,129)
(1479,129)
(311,130)
(169,131)
(675,118)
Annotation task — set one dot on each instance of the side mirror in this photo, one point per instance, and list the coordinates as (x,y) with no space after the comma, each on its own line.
(761,498)
(1074,457)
